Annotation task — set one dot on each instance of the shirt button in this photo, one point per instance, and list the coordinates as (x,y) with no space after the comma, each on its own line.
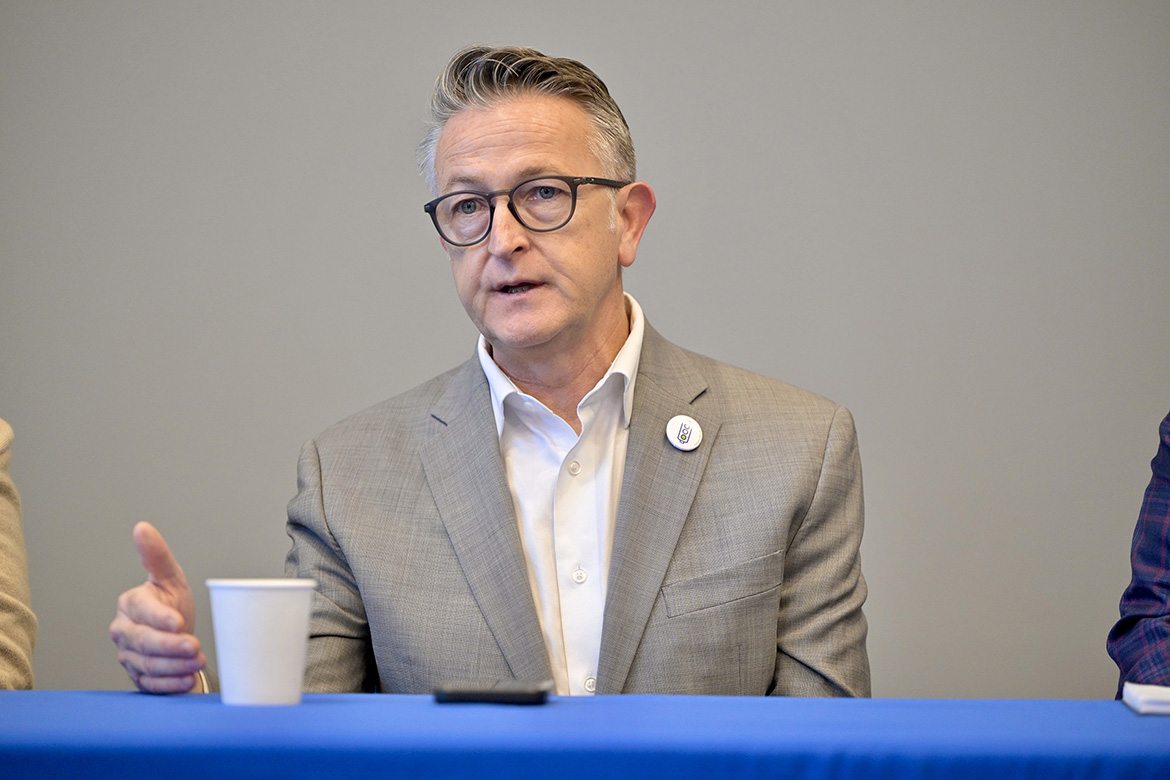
(579,575)
(574,468)
(590,684)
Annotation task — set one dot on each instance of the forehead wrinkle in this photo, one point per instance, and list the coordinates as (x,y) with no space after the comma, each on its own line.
(528,173)
(521,154)
(488,147)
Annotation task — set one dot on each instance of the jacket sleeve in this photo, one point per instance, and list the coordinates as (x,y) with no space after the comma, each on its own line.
(340,657)
(18,625)
(822,630)
(1140,641)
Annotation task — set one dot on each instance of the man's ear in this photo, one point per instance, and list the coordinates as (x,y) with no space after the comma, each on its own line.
(635,206)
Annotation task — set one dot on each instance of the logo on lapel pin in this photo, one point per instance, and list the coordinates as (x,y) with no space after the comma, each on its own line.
(684,433)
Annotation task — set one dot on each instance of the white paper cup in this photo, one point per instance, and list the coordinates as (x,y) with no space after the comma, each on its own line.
(261,634)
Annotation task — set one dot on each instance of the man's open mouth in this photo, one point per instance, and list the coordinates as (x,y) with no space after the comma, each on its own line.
(516,288)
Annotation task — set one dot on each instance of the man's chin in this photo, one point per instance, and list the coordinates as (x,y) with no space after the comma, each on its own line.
(518,338)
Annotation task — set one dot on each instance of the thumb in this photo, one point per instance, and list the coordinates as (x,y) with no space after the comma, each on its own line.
(156,557)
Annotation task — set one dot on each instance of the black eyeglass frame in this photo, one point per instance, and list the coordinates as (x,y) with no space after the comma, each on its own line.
(572,181)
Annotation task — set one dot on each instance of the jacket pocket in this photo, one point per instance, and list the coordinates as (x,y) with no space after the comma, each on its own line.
(751,578)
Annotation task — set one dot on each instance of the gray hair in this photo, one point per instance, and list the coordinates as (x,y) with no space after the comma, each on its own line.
(483,76)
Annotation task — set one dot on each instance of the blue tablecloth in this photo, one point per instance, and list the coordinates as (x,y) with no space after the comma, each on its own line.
(103,734)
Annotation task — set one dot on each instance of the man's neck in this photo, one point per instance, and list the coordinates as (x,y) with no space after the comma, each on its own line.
(559,378)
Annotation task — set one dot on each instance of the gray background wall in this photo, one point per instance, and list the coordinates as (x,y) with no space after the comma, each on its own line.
(951,217)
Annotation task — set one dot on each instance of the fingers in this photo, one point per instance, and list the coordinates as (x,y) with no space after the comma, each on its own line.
(147,605)
(184,684)
(153,623)
(167,587)
(157,661)
(154,676)
(144,667)
(156,557)
(142,638)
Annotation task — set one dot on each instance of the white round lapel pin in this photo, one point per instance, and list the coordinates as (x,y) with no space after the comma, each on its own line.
(684,433)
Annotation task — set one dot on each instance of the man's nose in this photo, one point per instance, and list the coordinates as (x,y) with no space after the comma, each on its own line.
(507,234)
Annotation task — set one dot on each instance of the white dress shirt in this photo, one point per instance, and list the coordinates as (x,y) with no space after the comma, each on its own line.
(565,489)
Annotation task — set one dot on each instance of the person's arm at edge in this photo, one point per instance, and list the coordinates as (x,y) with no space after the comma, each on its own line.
(1140,641)
(18,623)
(822,630)
(339,657)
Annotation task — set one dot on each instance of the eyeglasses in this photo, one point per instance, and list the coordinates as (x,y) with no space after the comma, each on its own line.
(542,205)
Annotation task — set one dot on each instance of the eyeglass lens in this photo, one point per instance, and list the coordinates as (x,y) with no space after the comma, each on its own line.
(540,204)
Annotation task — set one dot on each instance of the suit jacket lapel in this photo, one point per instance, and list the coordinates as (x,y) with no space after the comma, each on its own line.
(658,486)
(467,479)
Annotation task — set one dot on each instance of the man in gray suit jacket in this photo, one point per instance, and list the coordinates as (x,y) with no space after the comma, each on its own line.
(581,501)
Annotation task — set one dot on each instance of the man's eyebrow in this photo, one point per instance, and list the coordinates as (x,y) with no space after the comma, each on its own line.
(464,182)
(476,184)
(533,171)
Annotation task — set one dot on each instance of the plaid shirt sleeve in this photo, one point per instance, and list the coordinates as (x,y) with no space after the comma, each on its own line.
(1140,641)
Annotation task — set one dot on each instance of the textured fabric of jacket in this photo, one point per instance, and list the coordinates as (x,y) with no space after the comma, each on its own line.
(18,625)
(1140,641)
(735,566)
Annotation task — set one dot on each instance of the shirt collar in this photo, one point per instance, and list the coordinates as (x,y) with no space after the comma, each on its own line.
(625,365)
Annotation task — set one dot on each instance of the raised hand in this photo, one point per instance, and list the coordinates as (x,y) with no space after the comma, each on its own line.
(154,624)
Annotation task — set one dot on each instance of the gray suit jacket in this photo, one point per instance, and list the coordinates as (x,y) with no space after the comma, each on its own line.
(735,567)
